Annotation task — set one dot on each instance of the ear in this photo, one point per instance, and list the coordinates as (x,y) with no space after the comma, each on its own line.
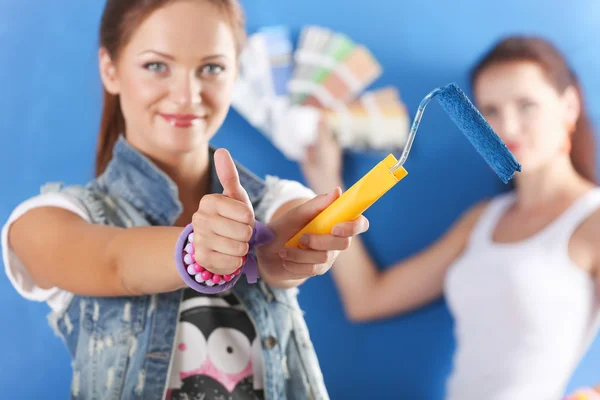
(572,104)
(108,72)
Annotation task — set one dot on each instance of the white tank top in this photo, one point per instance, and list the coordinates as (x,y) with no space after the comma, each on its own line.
(524,312)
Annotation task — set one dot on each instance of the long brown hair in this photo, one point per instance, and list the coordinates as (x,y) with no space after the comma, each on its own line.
(119,21)
(560,76)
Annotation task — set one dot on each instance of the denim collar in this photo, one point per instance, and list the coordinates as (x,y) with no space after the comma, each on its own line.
(130,175)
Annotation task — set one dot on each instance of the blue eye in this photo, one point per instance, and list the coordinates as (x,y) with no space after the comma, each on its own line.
(527,105)
(489,112)
(212,69)
(157,67)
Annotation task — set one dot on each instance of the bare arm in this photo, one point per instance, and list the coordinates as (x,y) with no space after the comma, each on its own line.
(94,260)
(370,294)
(594,239)
(593,233)
(89,259)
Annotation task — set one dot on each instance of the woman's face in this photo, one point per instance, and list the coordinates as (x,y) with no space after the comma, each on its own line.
(174,78)
(526,111)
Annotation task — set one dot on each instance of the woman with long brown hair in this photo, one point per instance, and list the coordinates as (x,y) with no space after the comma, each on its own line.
(521,271)
(103,256)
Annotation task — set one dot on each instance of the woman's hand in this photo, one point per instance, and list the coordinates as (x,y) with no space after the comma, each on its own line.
(322,167)
(223,223)
(284,267)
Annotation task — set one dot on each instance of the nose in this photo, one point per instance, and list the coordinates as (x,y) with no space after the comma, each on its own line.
(186,90)
(509,125)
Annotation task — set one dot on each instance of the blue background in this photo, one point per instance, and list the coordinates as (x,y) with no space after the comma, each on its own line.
(50,111)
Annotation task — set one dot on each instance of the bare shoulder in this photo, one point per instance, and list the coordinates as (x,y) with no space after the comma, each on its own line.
(589,233)
(477,209)
(591,228)
(457,236)
(472,215)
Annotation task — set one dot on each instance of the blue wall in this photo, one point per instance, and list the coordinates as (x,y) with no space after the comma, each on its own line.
(50,113)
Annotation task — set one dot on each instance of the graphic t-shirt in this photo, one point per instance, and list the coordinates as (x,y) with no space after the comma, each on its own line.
(217,354)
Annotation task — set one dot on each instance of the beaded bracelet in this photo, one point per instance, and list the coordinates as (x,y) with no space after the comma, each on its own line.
(204,281)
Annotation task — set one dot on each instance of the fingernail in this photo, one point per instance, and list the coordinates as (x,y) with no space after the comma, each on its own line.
(283,253)
(304,240)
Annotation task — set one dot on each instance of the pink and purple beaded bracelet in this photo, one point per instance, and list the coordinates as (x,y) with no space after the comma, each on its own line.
(204,281)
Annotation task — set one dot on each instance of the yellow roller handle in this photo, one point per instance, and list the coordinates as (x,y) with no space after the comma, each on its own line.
(355,200)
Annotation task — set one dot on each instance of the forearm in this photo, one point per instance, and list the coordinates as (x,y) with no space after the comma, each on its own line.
(144,259)
(356,278)
(354,271)
(369,294)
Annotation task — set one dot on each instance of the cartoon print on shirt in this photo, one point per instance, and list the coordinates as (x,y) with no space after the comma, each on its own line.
(217,354)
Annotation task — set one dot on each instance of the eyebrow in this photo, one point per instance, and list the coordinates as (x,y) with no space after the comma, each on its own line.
(487,107)
(170,57)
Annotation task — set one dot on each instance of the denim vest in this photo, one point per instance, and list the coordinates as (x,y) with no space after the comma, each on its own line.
(121,346)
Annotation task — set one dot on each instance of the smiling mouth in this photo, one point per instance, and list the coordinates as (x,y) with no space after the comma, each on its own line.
(182,120)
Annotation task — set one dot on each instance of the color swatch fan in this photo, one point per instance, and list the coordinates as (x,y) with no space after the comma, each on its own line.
(285,93)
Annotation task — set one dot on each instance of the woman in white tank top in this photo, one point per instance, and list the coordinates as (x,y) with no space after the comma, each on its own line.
(519,271)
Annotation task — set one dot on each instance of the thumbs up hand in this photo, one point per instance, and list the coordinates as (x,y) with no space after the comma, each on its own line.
(223,223)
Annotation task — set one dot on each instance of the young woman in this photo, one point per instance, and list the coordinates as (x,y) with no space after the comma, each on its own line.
(102,256)
(520,272)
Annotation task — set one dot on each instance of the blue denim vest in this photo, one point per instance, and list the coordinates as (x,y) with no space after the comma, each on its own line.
(121,346)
